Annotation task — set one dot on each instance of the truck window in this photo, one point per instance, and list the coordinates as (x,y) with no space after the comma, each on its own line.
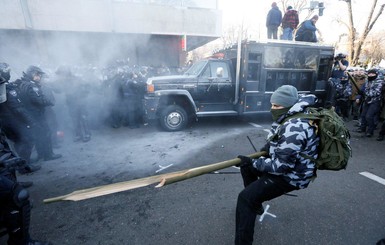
(306,59)
(211,70)
(253,72)
(254,66)
(295,66)
(196,68)
(324,71)
(286,57)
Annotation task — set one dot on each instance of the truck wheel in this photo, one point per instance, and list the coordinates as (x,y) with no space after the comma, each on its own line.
(173,118)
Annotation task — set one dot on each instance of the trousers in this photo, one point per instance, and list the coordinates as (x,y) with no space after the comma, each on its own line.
(259,187)
(368,116)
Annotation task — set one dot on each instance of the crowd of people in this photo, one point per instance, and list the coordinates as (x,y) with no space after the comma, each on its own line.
(359,95)
(23,122)
(30,125)
(289,22)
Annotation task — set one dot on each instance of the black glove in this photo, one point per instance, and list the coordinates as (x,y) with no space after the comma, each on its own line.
(266,147)
(245,161)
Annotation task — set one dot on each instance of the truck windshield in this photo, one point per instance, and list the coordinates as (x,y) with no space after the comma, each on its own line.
(292,58)
(196,68)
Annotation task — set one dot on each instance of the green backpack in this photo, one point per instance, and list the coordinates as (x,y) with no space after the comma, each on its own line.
(334,149)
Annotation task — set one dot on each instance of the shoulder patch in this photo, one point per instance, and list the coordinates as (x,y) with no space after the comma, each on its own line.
(35,89)
(13,93)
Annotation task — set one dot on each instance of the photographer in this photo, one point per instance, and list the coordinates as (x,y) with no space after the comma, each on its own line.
(340,65)
(371,98)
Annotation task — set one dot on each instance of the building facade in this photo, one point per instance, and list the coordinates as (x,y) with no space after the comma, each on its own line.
(147,32)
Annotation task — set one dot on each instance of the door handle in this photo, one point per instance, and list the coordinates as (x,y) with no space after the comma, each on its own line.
(189,86)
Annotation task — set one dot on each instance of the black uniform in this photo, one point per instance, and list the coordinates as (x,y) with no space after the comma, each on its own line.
(114,100)
(15,206)
(76,95)
(16,122)
(35,103)
(132,102)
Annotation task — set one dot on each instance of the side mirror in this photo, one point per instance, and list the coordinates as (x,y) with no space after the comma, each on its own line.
(220,72)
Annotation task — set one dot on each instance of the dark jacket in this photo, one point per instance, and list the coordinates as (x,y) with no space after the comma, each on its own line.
(14,108)
(306,32)
(274,17)
(33,97)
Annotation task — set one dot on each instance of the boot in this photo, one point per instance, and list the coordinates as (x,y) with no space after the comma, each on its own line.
(53,156)
(29,168)
(380,138)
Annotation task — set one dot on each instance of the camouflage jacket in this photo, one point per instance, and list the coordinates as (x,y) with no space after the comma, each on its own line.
(343,89)
(372,91)
(287,141)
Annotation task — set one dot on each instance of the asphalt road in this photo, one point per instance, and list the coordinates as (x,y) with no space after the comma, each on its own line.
(341,207)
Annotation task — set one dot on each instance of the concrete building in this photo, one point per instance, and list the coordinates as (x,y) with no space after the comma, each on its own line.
(148,32)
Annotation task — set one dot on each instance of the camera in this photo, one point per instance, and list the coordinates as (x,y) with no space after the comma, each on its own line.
(340,56)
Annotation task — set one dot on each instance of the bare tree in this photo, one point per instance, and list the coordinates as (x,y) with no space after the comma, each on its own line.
(374,49)
(356,41)
(297,5)
(230,35)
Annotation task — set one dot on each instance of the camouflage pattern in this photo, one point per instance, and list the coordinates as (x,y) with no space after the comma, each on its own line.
(372,91)
(287,141)
(343,89)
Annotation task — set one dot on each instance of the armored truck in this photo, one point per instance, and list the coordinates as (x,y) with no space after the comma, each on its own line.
(238,80)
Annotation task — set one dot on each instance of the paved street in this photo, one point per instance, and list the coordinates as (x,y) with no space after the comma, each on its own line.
(343,207)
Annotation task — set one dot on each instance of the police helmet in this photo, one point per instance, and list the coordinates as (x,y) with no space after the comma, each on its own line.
(33,70)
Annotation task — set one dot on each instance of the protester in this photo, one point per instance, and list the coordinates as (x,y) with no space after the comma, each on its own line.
(290,22)
(343,89)
(284,169)
(371,98)
(381,134)
(273,21)
(360,78)
(307,30)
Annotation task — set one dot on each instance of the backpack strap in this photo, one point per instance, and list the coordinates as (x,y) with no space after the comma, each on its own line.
(304,116)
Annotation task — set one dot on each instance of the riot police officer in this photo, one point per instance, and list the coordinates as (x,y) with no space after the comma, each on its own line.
(35,102)
(132,100)
(15,121)
(15,206)
(76,94)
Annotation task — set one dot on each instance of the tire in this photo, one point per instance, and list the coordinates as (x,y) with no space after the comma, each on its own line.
(173,118)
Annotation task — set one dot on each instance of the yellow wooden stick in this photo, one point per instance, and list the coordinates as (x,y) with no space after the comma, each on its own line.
(163,179)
